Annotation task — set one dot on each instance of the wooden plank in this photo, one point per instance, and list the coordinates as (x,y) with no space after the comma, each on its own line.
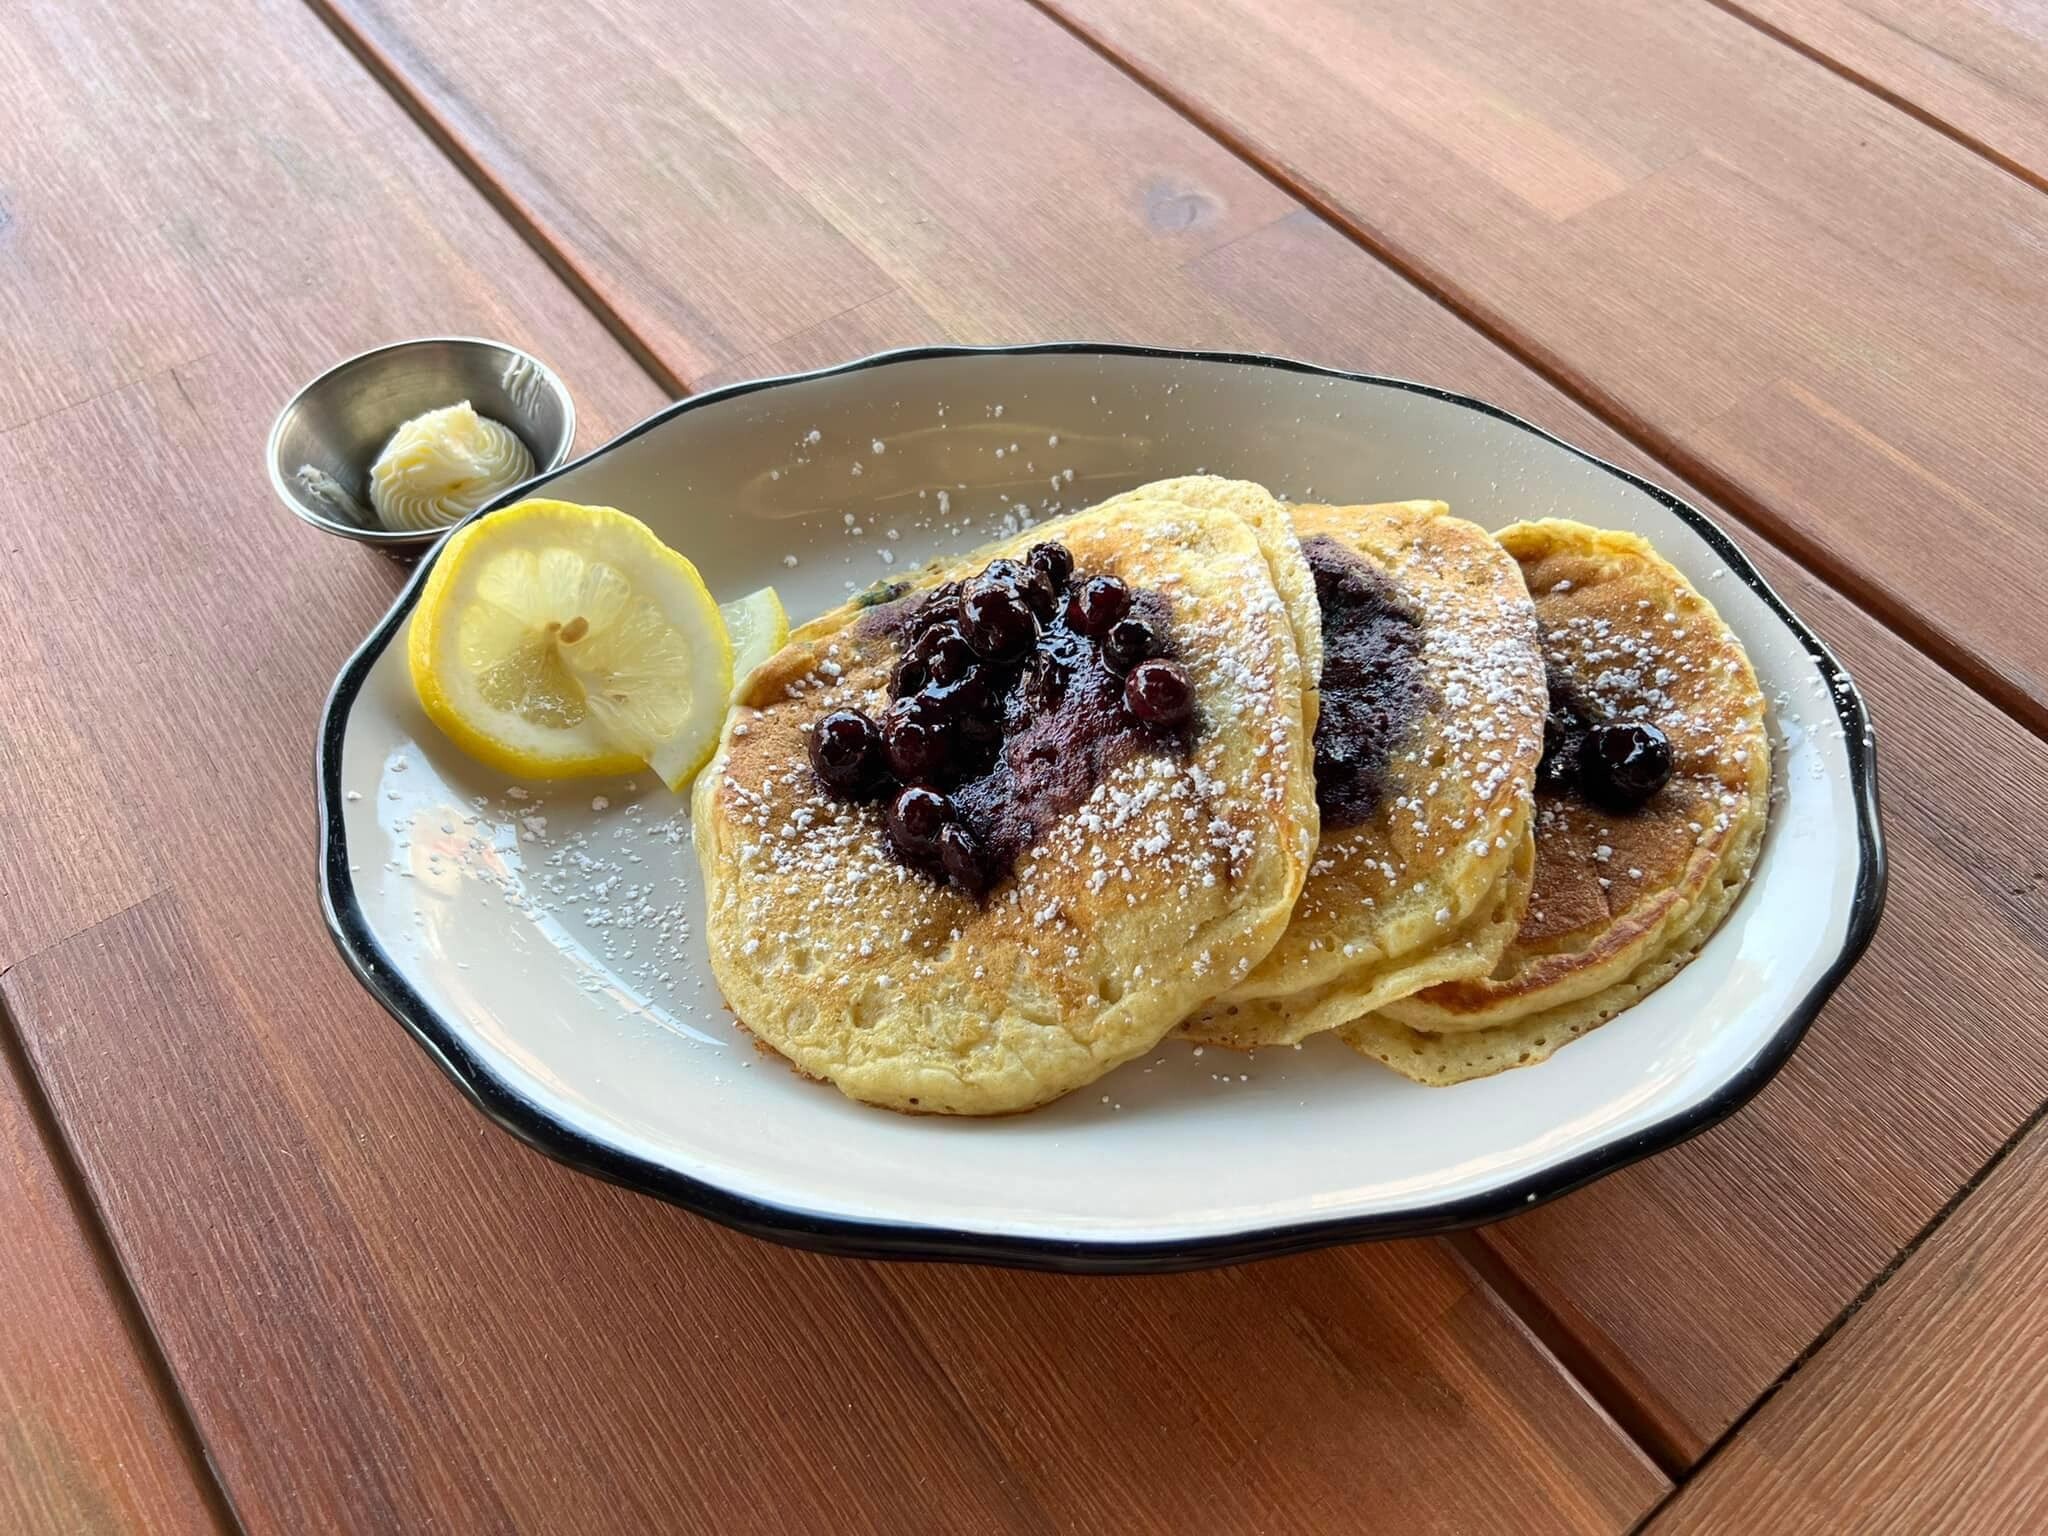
(1321,1362)
(1928,1411)
(383,1312)
(90,1438)
(1664,1270)
(876,176)
(1916,1073)
(1803,1198)
(245,218)
(78,807)
(438,1323)
(185,238)
(1977,69)
(1815,305)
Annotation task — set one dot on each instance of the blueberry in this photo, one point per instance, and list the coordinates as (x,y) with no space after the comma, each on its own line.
(914,737)
(965,696)
(1128,642)
(1000,623)
(964,859)
(846,750)
(1027,580)
(1039,591)
(974,708)
(1159,693)
(1624,762)
(944,650)
(916,817)
(1056,560)
(1096,604)
(907,677)
(941,605)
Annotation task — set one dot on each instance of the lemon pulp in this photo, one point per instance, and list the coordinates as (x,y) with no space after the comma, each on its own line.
(758,626)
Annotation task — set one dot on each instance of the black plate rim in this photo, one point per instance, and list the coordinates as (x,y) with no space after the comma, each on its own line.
(854,1237)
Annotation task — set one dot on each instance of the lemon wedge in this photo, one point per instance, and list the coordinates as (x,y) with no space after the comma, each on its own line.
(557,641)
(758,627)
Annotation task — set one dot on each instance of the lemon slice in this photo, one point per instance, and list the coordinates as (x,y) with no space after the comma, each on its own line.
(556,641)
(758,627)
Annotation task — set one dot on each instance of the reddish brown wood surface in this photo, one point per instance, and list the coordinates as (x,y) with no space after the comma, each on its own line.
(400,1314)
(1928,1412)
(1702,1274)
(1652,1278)
(1978,69)
(382,1312)
(1822,309)
(188,232)
(90,1437)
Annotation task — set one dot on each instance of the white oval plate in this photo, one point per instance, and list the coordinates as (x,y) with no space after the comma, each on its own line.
(546,950)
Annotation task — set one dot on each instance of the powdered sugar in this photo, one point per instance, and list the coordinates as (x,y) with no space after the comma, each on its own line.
(818,892)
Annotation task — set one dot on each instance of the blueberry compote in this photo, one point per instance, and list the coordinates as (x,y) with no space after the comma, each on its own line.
(1016,692)
(1618,765)
(1372,686)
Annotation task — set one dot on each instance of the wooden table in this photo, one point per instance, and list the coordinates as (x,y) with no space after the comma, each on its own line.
(265,1268)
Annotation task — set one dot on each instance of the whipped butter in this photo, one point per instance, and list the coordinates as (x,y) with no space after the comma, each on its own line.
(440,467)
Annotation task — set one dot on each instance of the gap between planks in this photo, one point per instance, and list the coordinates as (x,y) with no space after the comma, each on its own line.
(444,137)
(1885,94)
(1856,1304)
(1574,1358)
(14,1058)
(1629,1407)
(1898,616)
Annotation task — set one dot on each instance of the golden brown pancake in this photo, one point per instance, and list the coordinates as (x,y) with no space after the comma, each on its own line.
(1622,899)
(1133,904)
(1426,751)
(1274,529)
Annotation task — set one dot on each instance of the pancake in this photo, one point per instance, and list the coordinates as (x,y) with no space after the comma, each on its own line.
(1472,949)
(1432,704)
(1133,901)
(1274,529)
(1622,900)
(1441,1060)
(1250,503)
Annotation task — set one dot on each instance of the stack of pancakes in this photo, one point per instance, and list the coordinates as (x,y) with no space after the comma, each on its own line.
(1356,838)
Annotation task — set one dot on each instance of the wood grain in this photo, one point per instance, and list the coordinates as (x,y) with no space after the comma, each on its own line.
(188,236)
(1978,69)
(863,176)
(1919,1070)
(1818,307)
(90,1440)
(1909,1082)
(1928,1411)
(383,1312)
(434,1320)
(380,1308)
